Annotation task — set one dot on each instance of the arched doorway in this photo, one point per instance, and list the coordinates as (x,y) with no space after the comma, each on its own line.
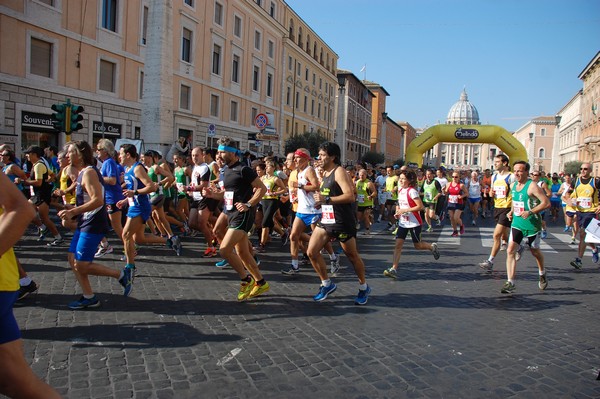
(465,134)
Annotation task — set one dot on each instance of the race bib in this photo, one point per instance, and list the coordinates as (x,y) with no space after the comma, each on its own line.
(327,215)
(180,187)
(500,191)
(518,207)
(584,203)
(360,198)
(428,196)
(453,199)
(404,218)
(228,198)
(197,195)
(131,201)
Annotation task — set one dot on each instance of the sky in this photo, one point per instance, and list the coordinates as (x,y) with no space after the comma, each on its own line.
(516,59)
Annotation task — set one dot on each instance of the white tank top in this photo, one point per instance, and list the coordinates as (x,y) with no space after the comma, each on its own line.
(306,201)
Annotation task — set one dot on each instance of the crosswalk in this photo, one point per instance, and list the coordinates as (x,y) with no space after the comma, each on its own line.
(554,243)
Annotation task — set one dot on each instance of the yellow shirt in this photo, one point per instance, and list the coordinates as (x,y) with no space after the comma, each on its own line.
(9,272)
(64,184)
(293,191)
(391,185)
(502,194)
(586,196)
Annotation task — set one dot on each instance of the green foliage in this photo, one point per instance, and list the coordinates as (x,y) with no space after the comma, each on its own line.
(572,168)
(309,140)
(373,157)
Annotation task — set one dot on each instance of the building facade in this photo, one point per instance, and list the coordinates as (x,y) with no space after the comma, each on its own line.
(537,135)
(566,142)
(589,140)
(394,138)
(353,117)
(156,70)
(378,117)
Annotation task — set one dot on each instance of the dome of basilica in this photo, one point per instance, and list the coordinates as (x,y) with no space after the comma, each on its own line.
(463,112)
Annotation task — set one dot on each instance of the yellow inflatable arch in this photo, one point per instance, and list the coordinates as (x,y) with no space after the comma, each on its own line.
(465,134)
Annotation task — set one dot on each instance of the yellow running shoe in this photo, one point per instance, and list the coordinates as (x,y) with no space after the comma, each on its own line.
(245,289)
(259,289)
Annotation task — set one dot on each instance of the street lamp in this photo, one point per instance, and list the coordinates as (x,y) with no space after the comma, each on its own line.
(339,137)
(531,135)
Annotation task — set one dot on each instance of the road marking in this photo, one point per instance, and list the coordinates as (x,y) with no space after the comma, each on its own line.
(445,238)
(229,357)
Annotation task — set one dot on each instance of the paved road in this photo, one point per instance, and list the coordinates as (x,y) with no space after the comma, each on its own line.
(442,330)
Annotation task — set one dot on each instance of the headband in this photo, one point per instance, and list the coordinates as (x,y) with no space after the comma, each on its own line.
(301,154)
(229,149)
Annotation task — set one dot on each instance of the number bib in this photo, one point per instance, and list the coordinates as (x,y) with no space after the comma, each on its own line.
(327,215)
(500,192)
(360,198)
(585,203)
(518,207)
(427,196)
(228,197)
(180,187)
(453,199)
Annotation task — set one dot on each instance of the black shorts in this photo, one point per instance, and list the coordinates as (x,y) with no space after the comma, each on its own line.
(364,208)
(40,198)
(585,218)
(340,233)
(390,202)
(500,216)
(456,207)
(112,208)
(269,207)
(430,205)
(241,220)
(415,233)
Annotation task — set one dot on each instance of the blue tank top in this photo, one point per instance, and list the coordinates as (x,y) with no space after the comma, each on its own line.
(133,183)
(12,177)
(96,220)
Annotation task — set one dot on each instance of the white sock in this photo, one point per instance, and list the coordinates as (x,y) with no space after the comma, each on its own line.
(332,256)
(362,287)
(295,263)
(542,272)
(326,283)
(24,281)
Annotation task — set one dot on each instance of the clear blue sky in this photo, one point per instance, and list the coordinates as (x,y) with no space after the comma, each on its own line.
(518,59)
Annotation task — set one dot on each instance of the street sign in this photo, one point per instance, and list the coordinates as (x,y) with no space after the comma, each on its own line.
(261,121)
(211,130)
(258,143)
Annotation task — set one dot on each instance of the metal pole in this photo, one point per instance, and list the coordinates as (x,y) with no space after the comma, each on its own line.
(102,119)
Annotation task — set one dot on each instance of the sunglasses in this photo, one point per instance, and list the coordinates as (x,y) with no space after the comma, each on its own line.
(535,174)
(455,177)
(584,169)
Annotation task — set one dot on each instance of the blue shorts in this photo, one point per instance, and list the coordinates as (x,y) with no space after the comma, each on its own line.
(9,329)
(84,245)
(309,218)
(474,200)
(143,212)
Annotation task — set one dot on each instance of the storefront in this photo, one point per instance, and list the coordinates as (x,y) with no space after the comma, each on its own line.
(111,131)
(37,129)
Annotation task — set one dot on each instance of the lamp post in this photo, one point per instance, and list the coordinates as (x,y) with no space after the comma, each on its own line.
(532,148)
(340,136)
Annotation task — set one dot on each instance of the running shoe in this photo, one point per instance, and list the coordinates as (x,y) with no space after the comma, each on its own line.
(454,234)
(363,296)
(483,215)
(324,291)
(210,252)
(429,229)
(42,233)
(439,221)
(508,288)
(222,263)
(473,223)
(392,227)
(245,289)
(56,242)
(260,249)
(126,281)
(595,257)
(103,251)
(176,245)
(572,240)
(519,252)
(391,273)
(395,231)
(503,246)
(335,264)
(566,229)
(186,229)
(434,251)
(486,265)
(259,289)
(290,271)
(257,260)
(26,290)
(462,229)
(577,264)
(83,303)
(357,226)
(169,243)
(543,282)
(285,238)
(544,234)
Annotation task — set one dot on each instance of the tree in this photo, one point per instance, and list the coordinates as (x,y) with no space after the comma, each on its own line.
(309,140)
(572,168)
(373,157)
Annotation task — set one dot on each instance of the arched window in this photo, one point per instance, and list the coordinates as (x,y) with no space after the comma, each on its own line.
(315,50)
(308,44)
(541,153)
(292,29)
(300,36)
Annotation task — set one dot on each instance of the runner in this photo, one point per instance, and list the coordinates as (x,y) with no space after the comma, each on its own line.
(441,202)
(381,193)
(502,206)
(243,191)
(391,188)
(92,225)
(456,193)
(270,203)
(337,222)
(474,188)
(528,200)
(486,197)
(536,176)
(409,220)
(585,197)
(432,190)
(366,191)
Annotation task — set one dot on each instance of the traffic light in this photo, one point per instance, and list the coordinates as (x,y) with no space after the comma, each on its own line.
(75,117)
(252,136)
(58,117)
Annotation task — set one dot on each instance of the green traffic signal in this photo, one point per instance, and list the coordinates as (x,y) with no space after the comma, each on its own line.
(75,118)
(58,117)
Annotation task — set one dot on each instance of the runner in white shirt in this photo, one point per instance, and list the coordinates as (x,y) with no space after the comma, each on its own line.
(474,195)
(409,220)
(382,194)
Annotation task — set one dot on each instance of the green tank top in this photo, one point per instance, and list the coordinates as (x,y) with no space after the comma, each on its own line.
(362,193)
(522,202)
(155,178)
(430,191)
(269,182)
(180,181)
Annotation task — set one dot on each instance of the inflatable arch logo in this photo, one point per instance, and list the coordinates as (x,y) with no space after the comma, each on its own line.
(465,134)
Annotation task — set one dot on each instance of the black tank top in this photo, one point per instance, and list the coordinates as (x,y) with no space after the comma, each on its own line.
(345,217)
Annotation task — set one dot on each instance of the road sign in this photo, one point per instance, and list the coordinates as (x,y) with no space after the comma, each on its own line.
(261,121)
(211,130)
(257,143)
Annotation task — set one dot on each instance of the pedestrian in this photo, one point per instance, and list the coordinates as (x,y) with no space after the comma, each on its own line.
(92,226)
(585,197)
(474,189)
(338,221)
(365,192)
(456,193)
(528,200)
(242,192)
(16,377)
(409,220)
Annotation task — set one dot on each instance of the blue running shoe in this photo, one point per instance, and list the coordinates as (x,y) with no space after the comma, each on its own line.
(595,257)
(363,296)
(83,303)
(127,281)
(544,234)
(222,263)
(176,245)
(324,291)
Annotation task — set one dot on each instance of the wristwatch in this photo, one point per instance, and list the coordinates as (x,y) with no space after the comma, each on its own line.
(248,205)
(327,200)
